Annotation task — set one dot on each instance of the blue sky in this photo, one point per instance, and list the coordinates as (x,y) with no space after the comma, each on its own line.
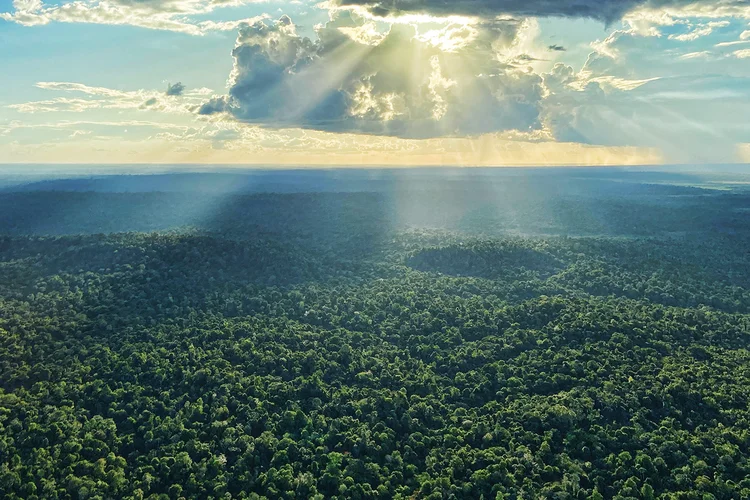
(348,82)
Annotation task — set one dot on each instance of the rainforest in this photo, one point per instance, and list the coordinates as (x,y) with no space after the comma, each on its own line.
(512,334)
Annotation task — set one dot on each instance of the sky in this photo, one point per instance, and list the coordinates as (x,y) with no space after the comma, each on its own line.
(375,82)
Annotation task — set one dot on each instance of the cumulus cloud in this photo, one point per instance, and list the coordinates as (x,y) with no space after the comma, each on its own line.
(604,10)
(169,15)
(457,80)
(638,88)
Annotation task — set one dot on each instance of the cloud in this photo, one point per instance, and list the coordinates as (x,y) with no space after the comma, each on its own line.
(451,81)
(66,124)
(85,89)
(169,15)
(603,10)
(703,54)
(175,89)
(638,88)
(55,105)
(689,118)
(174,100)
(482,69)
(700,31)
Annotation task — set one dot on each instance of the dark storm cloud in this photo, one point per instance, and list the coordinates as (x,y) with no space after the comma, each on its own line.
(557,48)
(175,89)
(603,10)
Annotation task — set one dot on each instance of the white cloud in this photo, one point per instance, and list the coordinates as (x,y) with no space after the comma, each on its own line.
(686,9)
(444,82)
(53,105)
(169,15)
(107,98)
(618,83)
(699,31)
(638,88)
(703,54)
(67,124)
(732,44)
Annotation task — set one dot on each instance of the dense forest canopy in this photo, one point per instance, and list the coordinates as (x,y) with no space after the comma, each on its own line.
(586,340)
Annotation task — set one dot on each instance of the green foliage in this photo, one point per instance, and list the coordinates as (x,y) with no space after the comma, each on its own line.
(340,365)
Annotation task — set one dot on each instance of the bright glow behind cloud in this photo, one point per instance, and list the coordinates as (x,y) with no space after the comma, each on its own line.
(378,81)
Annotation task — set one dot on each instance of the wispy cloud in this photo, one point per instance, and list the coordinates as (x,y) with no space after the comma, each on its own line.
(184,101)
(169,15)
(699,31)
